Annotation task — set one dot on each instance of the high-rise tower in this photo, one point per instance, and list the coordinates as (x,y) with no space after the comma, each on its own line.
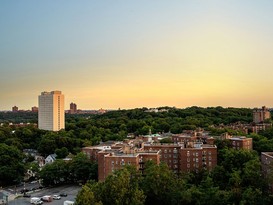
(51,111)
(260,115)
(73,108)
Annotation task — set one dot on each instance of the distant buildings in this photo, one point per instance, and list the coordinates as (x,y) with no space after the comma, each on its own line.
(51,111)
(73,108)
(14,109)
(260,115)
(34,109)
(157,110)
(101,111)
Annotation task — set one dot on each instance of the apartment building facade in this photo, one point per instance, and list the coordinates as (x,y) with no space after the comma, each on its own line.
(178,157)
(241,143)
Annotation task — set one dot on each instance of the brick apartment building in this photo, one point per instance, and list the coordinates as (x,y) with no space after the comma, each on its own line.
(241,143)
(109,161)
(179,157)
(260,115)
(237,142)
(203,156)
(186,158)
(113,156)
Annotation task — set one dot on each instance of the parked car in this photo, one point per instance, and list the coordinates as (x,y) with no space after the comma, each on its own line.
(56,197)
(68,202)
(26,195)
(38,202)
(63,194)
(46,198)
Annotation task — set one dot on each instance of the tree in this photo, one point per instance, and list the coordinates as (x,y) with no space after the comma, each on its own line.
(252,175)
(252,196)
(82,169)
(61,153)
(11,165)
(86,196)
(117,189)
(55,173)
(154,183)
(166,140)
(47,146)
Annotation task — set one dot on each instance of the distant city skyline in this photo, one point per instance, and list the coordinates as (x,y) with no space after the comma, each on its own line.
(128,54)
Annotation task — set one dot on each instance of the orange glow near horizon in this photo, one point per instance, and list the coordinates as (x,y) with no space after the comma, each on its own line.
(180,54)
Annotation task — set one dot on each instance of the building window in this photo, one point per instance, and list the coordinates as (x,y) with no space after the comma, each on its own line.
(188,165)
(196,154)
(188,153)
(188,159)
(165,151)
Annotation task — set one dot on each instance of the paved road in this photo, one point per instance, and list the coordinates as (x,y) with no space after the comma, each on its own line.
(18,188)
(71,192)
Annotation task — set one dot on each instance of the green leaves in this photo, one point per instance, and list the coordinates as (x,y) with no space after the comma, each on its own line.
(117,189)
(11,165)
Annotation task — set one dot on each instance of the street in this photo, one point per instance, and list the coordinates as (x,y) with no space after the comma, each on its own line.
(70,190)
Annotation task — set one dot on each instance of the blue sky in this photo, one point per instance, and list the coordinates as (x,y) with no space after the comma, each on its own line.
(111,54)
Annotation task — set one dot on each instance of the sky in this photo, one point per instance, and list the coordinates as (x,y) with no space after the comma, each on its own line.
(125,54)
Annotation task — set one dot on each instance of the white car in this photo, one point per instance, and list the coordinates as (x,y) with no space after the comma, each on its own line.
(39,202)
(56,197)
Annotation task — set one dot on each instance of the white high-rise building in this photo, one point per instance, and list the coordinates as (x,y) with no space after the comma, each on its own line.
(51,111)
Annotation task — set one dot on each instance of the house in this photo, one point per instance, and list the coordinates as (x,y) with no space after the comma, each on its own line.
(50,158)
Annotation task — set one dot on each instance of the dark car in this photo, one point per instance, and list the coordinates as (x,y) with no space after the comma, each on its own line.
(63,194)
(27,195)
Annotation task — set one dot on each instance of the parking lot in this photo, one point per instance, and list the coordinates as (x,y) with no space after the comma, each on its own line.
(71,192)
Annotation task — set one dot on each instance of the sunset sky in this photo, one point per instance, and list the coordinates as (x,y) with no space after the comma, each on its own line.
(126,54)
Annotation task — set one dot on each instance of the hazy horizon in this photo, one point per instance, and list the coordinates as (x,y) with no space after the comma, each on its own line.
(128,54)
